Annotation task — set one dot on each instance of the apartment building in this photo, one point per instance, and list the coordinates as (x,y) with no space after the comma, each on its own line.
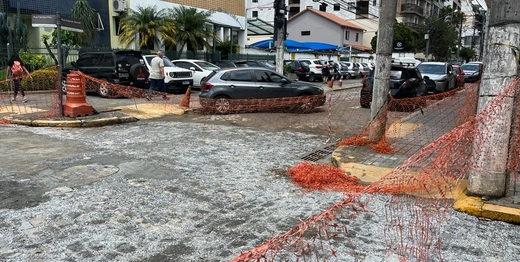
(227,16)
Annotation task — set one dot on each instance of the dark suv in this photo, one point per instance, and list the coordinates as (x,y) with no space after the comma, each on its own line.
(124,67)
(300,68)
(405,82)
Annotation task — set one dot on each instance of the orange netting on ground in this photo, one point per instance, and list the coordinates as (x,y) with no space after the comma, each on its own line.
(421,188)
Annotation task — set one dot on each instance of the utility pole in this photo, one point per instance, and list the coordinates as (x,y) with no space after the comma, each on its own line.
(279,32)
(489,173)
(385,37)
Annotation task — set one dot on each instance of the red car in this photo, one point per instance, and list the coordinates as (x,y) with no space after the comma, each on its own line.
(460,75)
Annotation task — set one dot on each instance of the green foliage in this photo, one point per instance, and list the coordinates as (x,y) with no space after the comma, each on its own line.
(443,32)
(44,79)
(467,53)
(401,32)
(82,11)
(145,25)
(193,28)
(224,47)
(34,61)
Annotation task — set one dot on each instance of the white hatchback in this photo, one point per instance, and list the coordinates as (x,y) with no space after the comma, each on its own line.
(176,78)
(200,68)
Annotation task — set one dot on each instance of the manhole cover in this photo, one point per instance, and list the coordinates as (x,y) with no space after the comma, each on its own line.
(320,153)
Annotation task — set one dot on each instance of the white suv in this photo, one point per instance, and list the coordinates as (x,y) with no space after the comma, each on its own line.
(315,66)
(200,69)
(176,78)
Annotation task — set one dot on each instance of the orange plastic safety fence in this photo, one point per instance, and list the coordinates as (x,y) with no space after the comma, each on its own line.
(421,188)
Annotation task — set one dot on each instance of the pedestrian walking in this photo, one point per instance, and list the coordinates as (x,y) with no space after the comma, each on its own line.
(15,70)
(157,76)
(325,72)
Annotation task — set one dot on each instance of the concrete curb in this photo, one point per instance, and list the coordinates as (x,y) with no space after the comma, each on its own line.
(477,207)
(98,122)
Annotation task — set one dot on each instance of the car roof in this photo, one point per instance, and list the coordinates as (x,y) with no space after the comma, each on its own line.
(434,63)
(188,60)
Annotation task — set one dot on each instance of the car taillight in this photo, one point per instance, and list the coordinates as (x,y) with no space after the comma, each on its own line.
(318,66)
(341,68)
(115,74)
(206,86)
(300,69)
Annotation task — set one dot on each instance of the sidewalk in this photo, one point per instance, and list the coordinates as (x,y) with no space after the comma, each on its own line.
(369,166)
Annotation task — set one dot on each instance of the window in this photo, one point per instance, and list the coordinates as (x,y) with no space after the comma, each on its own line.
(357,37)
(337,7)
(255,1)
(255,13)
(374,3)
(242,75)
(117,24)
(323,7)
(306,32)
(347,35)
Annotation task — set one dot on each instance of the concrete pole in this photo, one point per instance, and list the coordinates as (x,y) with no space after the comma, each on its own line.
(279,17)
(488,175)
(385,36)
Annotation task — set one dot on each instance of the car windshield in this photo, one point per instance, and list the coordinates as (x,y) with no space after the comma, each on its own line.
(207,65)
(167,62)
(470,67)
(431,69)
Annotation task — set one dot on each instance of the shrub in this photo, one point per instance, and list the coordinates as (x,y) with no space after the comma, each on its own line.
(34,61)
(44,79)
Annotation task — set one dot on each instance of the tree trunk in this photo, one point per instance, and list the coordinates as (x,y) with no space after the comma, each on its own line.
(385,36)
(488,174)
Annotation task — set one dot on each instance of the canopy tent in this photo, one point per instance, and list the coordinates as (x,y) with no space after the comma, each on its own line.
(318,46)
(290,45)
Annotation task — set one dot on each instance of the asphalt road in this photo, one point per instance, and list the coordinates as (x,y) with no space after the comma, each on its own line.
(178,190)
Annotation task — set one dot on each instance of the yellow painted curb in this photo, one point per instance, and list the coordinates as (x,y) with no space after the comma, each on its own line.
(476,207)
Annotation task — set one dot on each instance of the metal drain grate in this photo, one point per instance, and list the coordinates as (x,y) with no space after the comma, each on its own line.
(320,153)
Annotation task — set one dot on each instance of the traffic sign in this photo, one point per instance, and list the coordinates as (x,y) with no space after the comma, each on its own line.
(52,22)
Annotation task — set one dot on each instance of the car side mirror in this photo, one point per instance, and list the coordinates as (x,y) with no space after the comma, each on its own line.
(284,81)
(192,68)
(426,78)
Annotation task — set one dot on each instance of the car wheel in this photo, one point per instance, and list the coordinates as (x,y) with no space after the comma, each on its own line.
(222,104)
(312,77)
(103,88)
(64,86)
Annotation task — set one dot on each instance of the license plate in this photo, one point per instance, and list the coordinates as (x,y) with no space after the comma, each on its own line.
(123,75)
(185,82)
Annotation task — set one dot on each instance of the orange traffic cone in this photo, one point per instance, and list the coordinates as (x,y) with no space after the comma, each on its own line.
(331,83)
(185,102)
(340,83)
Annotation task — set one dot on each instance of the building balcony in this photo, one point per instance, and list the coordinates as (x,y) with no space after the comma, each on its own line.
(412,8)
(414,26)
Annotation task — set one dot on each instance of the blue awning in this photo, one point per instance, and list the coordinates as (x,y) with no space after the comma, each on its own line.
(290,45)
(318,46)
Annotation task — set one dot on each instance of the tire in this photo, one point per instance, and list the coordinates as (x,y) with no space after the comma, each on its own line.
(104,91)
(222,104)
(64,85)
(138,74)
(312,77)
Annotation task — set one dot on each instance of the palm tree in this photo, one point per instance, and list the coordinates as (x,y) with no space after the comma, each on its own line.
(82,11)
(147,27)
(195,30)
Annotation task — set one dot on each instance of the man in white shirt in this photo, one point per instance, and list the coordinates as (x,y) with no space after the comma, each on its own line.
(157,75)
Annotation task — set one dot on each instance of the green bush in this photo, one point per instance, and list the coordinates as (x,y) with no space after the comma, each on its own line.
(45,79)
(33,61)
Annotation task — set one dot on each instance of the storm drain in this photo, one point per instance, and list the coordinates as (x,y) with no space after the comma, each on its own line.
(320,153)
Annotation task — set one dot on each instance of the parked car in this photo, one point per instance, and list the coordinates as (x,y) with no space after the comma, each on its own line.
(439,72)
(334,69)
(348,70)
(176,79)
(225,85)
(473,71)
(315,66)
(224,63)
(124,67)
(252,63)
(200,69)
(460,75)
(405,82)
(300,68)
(364,70)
